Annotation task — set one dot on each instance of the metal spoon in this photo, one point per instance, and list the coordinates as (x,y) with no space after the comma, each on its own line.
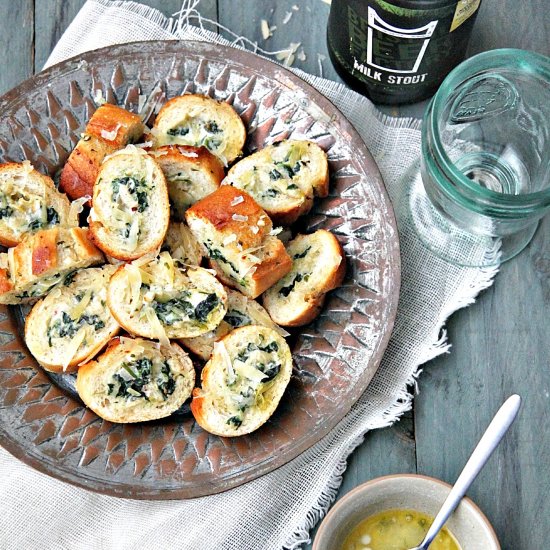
(487,444)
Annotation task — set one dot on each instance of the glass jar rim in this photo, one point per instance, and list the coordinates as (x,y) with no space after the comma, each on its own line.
(507,58)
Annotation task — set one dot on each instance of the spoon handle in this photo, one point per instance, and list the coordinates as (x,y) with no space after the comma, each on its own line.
(484,449)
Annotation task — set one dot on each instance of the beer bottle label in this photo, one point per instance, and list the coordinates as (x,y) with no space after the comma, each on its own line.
(398,52)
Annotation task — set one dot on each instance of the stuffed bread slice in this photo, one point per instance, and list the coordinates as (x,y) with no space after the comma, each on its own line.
(191,174)
(283,178)
(318,266)
(237,236)
(243,382)
(198,120)
(29,270)
(130,213)
(110,128)
(29,202)
(72,323)
(161,298)
(136,380)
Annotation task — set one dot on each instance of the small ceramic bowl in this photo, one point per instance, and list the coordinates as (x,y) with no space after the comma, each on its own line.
(470,527)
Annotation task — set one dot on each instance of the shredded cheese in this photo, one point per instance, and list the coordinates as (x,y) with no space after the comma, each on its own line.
(239,218)
(72,347)
(219,348)
(111,136)
(98,97)
(266,31)
(132,241)
(157,327)
(146,144)
(246,370)
(261,317)
(186,153)
(77,206)
(229,239)
(133,276)
(146,258)
(78,310)
(237,200)
(169,267)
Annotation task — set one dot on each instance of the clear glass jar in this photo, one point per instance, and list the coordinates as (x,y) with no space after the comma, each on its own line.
(486,158)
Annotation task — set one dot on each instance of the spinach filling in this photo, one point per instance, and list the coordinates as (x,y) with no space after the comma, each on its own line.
(6,211)
(210,142)
(271,369)
(237,318)
(140,371)
(247,397)
(215,254)
(40,288)
(212,127)
(286,290)
(67,327)
(285,168)
(173,311)
(178,131)
(166,384)
(271,193)
(69,279)
(52,218)
(234,421)
(303,254)
(275,174)
(136,187)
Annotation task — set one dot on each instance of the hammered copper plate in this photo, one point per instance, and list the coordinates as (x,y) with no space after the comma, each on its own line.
(41,420)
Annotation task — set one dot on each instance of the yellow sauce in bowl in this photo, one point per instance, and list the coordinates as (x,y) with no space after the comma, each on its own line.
(397,530)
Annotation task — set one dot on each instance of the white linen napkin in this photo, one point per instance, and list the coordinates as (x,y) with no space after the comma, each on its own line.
(279,509)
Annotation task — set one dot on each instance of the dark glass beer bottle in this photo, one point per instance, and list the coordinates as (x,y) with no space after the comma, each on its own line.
(398,51)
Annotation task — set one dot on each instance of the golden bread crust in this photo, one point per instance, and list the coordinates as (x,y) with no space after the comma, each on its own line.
(110,128)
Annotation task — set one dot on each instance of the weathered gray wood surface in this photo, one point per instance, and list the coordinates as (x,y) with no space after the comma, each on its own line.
(501,345)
